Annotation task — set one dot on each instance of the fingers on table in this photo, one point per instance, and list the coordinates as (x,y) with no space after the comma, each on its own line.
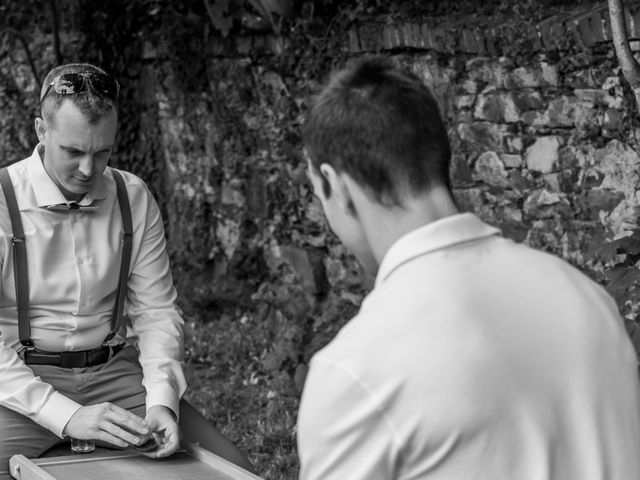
(120,427)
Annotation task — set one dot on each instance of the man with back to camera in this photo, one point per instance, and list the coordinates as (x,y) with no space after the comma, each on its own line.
(473,356)
(66,372)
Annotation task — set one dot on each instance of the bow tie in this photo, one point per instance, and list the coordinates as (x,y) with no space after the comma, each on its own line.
(65,207)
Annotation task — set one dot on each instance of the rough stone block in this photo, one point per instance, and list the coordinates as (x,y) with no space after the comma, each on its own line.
(244,45)
(597,26)
(489,169)
(595,96)
(591,202)
(464,101)
(559,35)
(391,38)
(545,204)
(580,30)
(426,37)
(400,35)
(481,41)
(528,100)
(620,165)
(544,28)
(469,199)
(542,156)
(633,25)
(492,42)
(149,50)
(370,35)
(469,42)
(497,108)
(511,161)
(562,112)
(612,119)
(518,182)
(482,135)
(606,26)
(411,35)
(354,41)
(587,29)
(423,41)
(461,174)
(452,41)
(438,39)
(549,74)
(470,86)
(552,182)
(299,262)
(524,77)
(512,144)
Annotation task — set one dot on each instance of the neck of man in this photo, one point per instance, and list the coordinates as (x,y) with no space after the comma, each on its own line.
(383,226)
(70,196)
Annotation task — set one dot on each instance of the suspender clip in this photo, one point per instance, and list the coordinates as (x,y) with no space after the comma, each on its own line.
(27,346)
(18,239)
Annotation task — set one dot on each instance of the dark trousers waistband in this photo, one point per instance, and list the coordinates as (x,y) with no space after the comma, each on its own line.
(79,359)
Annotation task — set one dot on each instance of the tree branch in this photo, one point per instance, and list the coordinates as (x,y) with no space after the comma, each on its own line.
(627,61)
(25,46)
(56,31)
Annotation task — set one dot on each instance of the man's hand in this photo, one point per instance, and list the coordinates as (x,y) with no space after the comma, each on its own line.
(108,423)
(164,427)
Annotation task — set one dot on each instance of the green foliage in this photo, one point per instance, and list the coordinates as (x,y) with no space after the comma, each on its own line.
(616,266)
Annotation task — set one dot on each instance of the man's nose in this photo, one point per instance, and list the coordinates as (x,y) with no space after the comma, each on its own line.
(87,165)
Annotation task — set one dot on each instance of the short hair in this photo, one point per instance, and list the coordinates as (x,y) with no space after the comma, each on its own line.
(93,104)
(381,125)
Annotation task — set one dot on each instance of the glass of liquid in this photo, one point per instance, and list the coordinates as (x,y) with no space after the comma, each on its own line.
(82,446)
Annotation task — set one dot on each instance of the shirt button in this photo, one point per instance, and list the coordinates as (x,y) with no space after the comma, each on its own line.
(80,261)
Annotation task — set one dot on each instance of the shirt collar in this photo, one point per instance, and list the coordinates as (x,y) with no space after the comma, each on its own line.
(47,192)
(443,233)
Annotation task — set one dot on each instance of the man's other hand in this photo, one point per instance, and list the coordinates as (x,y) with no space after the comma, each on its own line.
(164,427)
(109,423)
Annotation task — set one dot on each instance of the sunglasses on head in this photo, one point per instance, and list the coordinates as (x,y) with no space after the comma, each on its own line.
(70,83)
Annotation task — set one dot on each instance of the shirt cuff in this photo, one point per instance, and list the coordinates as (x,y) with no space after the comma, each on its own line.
(56,413)
(164,395)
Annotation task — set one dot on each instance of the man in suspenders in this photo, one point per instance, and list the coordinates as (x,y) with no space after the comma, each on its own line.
(82,247)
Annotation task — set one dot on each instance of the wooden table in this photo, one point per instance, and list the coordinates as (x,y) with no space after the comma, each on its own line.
(192,463)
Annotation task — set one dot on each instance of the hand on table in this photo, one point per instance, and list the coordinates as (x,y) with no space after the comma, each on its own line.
(109,423)
(164,427)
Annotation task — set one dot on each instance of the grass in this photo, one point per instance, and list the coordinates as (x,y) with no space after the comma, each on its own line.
(226,385)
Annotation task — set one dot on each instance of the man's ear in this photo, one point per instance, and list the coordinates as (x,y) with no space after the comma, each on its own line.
(339,187)
(41,129)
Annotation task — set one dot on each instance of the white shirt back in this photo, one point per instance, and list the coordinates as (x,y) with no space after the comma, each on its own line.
(474,358)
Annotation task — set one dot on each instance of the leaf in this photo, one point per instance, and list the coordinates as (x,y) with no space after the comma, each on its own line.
(629,245)
(219,15)
(620,279)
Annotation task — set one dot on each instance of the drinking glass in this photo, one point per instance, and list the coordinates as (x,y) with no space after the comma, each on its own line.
(82,446)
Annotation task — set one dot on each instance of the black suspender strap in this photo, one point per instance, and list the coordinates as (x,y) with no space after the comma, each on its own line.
(20,257)
(20,274)
(127,234)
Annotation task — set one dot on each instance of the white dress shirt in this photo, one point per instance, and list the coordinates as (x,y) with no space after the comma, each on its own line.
(474,358)
(73,264)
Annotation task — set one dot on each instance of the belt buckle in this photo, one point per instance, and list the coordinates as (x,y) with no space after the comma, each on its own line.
(73,359)
(22,351)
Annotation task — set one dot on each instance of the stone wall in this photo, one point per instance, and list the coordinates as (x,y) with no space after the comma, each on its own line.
(544,140)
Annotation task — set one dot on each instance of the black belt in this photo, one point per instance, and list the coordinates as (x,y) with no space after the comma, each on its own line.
(79,359)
